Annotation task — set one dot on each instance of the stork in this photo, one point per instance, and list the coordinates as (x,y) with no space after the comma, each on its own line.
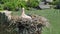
(23,15)
(8,14)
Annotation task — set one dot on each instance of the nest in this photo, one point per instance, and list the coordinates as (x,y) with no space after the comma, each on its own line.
(26,26)
(33,26)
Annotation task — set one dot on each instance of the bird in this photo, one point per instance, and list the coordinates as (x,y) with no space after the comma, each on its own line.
(8,14)
(23,15)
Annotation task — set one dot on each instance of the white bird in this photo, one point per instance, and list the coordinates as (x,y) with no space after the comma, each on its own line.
(7,13)
(23,15)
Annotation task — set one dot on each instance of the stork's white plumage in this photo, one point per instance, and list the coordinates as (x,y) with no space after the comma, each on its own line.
(7,13)
(23,15)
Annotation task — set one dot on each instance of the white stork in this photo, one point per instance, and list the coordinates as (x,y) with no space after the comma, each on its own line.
(23,15)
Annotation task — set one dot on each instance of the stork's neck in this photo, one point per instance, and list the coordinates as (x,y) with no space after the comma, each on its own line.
(23,11)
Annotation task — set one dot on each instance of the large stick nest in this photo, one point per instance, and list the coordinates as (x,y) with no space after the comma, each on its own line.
(30,26)
(26,26)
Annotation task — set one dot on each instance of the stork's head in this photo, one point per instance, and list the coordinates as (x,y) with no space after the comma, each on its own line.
(23,8)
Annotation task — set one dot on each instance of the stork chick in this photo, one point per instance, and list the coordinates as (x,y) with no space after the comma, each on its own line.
(23,15)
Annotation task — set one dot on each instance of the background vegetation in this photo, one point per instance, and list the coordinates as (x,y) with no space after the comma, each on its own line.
(16,4)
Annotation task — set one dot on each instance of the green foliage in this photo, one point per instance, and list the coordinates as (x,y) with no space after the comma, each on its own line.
(33,3)
(1,7)
(56,2)
(13,4)
(16,4)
